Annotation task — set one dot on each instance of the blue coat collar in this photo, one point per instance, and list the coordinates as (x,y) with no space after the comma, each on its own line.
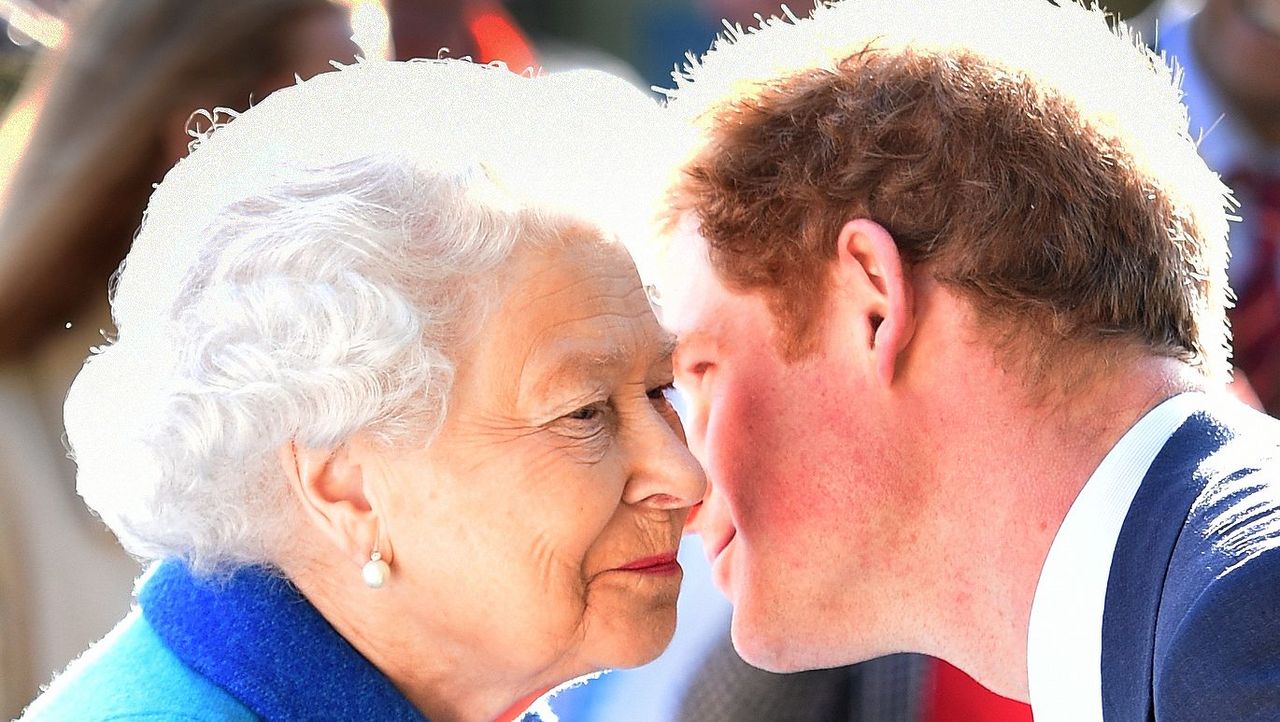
(255,636)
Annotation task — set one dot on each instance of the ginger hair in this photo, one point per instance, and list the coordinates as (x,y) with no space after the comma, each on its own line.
(1038,206)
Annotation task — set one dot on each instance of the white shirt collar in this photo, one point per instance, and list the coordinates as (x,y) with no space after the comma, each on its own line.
(1064,641)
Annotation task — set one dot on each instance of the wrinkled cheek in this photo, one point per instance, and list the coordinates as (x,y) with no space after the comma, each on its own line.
(553,608)
(551,567)
(625,623)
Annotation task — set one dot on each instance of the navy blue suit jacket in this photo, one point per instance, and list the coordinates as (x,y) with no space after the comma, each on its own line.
(1191,627)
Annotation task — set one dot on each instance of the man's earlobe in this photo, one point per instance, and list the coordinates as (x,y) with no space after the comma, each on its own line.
(869,261)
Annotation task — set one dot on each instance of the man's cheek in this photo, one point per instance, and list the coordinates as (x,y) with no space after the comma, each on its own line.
(694,413)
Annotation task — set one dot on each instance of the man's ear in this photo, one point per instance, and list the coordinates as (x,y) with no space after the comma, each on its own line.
(334,495)
(869,268)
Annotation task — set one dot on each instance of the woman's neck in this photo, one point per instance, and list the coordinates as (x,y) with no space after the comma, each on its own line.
(441,677)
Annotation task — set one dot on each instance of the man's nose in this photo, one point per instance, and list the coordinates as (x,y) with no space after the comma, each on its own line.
(700,512)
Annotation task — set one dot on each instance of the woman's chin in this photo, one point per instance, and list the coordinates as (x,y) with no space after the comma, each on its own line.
(640,644)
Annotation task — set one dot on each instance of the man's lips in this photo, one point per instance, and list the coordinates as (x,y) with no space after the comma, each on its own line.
(713,549)
(658,564)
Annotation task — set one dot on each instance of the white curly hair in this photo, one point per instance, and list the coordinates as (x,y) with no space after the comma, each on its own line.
(305,273)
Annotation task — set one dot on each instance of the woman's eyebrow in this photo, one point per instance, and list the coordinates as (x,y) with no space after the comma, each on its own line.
(667,346)
(570,363)
(576,361)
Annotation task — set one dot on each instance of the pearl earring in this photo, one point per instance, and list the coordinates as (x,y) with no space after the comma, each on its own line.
(375,571)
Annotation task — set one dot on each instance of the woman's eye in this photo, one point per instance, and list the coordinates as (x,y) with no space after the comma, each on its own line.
(659,393)
(586,413)
(589,422)
(665,397)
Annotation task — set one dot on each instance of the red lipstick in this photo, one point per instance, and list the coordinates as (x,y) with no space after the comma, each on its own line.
(660,565)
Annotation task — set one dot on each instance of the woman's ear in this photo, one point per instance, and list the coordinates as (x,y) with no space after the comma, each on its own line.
(870,270)
(333,493)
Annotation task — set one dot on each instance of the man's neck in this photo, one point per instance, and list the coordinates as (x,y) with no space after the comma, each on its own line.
(1015,474)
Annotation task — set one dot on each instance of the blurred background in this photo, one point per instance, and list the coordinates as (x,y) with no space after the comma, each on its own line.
(648,36)
(98,97)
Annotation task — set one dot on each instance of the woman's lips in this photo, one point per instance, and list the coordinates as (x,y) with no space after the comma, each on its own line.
(661,564)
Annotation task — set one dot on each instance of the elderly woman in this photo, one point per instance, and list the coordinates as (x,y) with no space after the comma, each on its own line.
(387,409)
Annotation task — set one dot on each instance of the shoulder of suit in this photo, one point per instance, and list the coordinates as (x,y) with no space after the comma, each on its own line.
(1218,629)
(1220,658)
(1236,516)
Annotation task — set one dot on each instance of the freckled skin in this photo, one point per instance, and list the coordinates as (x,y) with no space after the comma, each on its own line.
(545,479)
(787,489)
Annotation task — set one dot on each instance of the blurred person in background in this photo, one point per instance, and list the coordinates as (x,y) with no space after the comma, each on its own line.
(482,30)
(739,12)
(98,121)
(486,31)
(390,413)
(1229,51)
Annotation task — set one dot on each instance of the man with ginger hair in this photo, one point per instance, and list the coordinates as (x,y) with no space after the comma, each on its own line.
(949,284)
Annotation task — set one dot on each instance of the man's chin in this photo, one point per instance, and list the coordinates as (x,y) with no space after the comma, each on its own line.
(764,646)
(766,641)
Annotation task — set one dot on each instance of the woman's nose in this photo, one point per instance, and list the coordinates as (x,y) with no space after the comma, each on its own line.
(691,521)
(664,473)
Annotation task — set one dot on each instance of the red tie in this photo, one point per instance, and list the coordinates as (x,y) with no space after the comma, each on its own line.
(1255,321)
(953,696)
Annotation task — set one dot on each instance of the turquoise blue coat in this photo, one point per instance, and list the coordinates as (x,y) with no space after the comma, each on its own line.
(131,674)
(249,647)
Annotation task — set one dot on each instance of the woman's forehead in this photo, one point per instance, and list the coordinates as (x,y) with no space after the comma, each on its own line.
(576,308)
(547,281)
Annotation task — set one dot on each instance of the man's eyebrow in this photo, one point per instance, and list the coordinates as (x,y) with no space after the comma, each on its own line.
(695,336)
